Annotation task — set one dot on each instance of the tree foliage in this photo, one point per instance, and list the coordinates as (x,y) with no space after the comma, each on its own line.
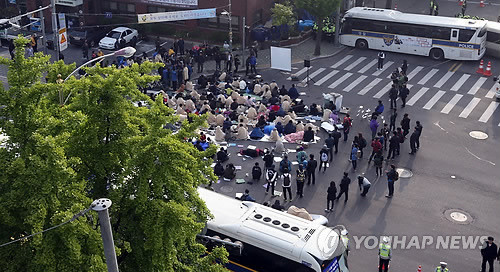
(320,9)
(58,159)
(283,14)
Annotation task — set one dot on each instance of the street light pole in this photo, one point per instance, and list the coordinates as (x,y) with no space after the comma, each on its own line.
(230,15)
(244,40)
(101,207)
(54,28)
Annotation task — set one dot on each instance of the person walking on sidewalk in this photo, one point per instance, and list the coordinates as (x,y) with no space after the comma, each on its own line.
(271,176)
(323,157)
(403,94)
(301,179)
(364,184)
(311,169)
(344,187)
(392,176)
(330,197)
(381,58)
(489,252)
(404,66)
(385,254)
(286,183)
(419,128)
(405,124)
(347,124)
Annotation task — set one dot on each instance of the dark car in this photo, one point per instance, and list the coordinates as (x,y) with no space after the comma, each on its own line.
(92,34)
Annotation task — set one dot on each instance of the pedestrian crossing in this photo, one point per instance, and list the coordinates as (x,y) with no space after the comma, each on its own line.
(442,90)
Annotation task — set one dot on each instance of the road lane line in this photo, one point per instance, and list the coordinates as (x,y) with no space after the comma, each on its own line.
(368,87)
(433,100)
(355,63)
(354,83)
(443,80)
(492,91)
(477,85)
(460,82)
(368,66)
(417,96)
(340,62)
(340,80)
(428,76)
(488,112)
(470,107)
(325,78)
(315,73)
(451,104)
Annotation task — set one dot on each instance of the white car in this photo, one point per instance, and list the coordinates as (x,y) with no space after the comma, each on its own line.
(119,37)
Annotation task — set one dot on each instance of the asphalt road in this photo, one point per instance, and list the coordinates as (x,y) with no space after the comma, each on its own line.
(450,171)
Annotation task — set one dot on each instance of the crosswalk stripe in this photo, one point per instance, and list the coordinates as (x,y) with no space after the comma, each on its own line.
(340,62)
(454,100)
(492,91)
(417,96)
(477,85)
(340,80)
(415,72)
(470,107)
(354,83)
(433,100)
(383,91)
(369,86)
(428,76)
(300,72)
(325,78)
(368,66)
(460,82)
(354,64)
(488,112)
(315,73)
(443,80)
(389,63)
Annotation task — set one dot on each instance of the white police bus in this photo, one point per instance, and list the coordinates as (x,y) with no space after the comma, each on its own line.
(435,36)
(271,240)
(493,39)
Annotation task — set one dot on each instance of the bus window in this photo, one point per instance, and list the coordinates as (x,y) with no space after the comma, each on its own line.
(454,35)
(465,35)
(347,26)
(482,32)
(493,37)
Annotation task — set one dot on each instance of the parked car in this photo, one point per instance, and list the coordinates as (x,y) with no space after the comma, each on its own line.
(92,35)
(119,37)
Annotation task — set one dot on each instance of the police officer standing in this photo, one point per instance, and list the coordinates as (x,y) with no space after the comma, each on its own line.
(385,254)
(442,267)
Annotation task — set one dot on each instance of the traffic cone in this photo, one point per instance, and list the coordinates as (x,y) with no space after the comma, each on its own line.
(481,3)
(460,2)
(480,70)
(396,6)
(419,268)
(488,70)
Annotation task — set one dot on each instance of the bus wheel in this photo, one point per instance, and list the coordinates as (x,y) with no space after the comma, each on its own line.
(362,44)
(436,54)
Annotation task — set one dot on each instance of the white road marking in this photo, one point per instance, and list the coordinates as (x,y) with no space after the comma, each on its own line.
(368,66)
(492,91)
(451,104)
(315,73)
(354,83)
(417,96)
(428,76)
(354,64)
(470,107)
(325,78)
(340,80)
(369,86)
(383,91)
(340,62)
(415,72)
(460,82)
(488,112)
(443,80)
(433,100)
(477,85)
(300,72)
(386,65)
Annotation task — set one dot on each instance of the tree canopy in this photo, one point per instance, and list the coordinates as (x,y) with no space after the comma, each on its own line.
(58,159)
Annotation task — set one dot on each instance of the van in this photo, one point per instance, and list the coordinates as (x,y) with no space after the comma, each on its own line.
(493,39)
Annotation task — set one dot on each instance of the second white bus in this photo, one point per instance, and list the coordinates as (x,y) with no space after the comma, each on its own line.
(434,36)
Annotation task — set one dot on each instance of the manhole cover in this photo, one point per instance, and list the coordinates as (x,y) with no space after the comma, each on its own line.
(479,135)
(226,189)
(458,216)
(404,173)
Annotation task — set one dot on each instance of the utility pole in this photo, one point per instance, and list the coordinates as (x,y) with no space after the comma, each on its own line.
(337,27)
(243,60)
(388,4)
(54,28)
(230,15)
(44,38)
(101,207)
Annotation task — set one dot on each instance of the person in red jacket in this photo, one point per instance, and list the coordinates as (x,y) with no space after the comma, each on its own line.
(376,147)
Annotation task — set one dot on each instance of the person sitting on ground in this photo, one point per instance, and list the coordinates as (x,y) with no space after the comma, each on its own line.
(299,126)
(242,133)
(220,136)
(230,172)
(262,122)
(293,93)
(274,135)
(277,206)
(246,196)
(219,169)
(314,110)
(289,128)
(308,135)
(222,155)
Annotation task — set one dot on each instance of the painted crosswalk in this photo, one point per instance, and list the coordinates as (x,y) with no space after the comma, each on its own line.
(449,92)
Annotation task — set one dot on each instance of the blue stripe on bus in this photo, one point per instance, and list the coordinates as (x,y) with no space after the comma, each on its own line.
(434,41)
(232,266)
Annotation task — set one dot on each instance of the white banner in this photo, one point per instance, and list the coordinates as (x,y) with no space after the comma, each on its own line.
(179,3)
(281,58)
(63,35)
(176,16)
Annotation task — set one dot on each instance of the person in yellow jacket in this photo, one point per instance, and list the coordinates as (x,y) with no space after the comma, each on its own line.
(385,254)
(442,267)
(34,43)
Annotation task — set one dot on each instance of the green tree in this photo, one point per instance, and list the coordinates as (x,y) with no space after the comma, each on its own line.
(282,14)
(99,145)
(320,9)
